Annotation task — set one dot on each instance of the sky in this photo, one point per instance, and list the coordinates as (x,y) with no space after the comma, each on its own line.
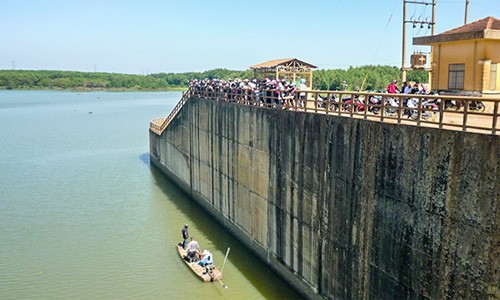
(150,36)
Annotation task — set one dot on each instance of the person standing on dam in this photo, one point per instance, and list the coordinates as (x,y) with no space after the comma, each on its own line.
(303,95)
(392,88)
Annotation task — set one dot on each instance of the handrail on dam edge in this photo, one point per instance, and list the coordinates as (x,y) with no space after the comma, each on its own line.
(389,108)
(159,128)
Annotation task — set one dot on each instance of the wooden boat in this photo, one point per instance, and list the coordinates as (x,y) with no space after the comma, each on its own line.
(213,274)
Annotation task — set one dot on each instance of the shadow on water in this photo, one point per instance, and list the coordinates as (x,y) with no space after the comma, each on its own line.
(145,158)
(262,277)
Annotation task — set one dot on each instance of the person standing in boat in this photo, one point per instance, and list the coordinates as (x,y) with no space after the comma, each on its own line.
(185,236)
(207,258)
(193,249)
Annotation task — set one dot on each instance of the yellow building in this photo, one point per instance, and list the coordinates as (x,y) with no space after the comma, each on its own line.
(466,59)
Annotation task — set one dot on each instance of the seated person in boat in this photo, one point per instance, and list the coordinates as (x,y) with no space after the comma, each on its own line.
(192,250)
(207,258)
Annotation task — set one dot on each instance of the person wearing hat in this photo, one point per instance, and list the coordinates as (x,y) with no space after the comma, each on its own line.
(207,258)
(392,88)
(344,86)
(185,236)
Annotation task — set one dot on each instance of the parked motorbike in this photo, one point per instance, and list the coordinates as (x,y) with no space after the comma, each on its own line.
(477,106)
(458,104)
(333,102)
(392,105)
(358,104)
(375,101)
(429,108)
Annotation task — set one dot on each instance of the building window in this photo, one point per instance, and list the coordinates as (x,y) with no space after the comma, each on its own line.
(456,77)
(493,77)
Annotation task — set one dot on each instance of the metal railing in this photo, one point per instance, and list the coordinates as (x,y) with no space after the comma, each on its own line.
(158,125)
(469,114)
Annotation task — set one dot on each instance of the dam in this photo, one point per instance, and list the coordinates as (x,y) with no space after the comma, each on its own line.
(339,205)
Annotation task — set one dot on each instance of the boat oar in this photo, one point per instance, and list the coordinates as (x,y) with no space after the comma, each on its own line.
(223,285)
(225,258)
(222,269)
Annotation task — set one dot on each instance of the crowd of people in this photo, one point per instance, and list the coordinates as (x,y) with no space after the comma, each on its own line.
(272,91)
(280,93)
(406,88)
(256,92)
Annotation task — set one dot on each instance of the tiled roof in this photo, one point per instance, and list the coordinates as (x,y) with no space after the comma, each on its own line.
(479,25)
(486,28)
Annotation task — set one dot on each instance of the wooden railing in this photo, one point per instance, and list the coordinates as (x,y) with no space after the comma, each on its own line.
(470,114)
(158,125)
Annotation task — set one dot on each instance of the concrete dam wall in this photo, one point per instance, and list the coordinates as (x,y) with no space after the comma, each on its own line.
(344,208)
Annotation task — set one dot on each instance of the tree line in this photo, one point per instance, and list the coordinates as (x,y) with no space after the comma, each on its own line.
(371,78)
(23,79)
(357,78)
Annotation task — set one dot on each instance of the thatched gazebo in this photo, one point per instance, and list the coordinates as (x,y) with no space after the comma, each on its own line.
(290,69)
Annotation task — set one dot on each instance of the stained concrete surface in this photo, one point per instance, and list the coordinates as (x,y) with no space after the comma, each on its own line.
(345,208)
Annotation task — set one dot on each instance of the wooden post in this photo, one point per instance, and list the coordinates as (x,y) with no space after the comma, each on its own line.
(316,98)
(495,117)
(441,113)
(340,104)
(419,112)
(382,109)
(366,106)
(310,78)
(352,105)
(466,109)
(400,108)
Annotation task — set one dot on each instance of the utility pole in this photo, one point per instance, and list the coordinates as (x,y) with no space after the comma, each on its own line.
(430,24)
(466,11)
(403,59)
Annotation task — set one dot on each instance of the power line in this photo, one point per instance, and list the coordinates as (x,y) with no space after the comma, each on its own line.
(483,6)
(421,22)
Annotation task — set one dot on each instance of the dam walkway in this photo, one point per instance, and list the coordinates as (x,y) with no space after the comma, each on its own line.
(468,114)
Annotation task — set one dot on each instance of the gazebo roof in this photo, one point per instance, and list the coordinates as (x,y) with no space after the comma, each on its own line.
(284,62)
(486,28)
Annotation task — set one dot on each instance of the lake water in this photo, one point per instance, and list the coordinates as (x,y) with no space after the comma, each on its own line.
(83,214)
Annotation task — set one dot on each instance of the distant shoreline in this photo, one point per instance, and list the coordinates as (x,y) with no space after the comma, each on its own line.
(357,78)
(87,81)
(83,89)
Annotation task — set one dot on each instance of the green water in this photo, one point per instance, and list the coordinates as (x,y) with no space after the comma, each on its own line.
(83,214)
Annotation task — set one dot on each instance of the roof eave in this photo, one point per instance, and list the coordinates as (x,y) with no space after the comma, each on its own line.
(492,34)
(454,37)
(277,62)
